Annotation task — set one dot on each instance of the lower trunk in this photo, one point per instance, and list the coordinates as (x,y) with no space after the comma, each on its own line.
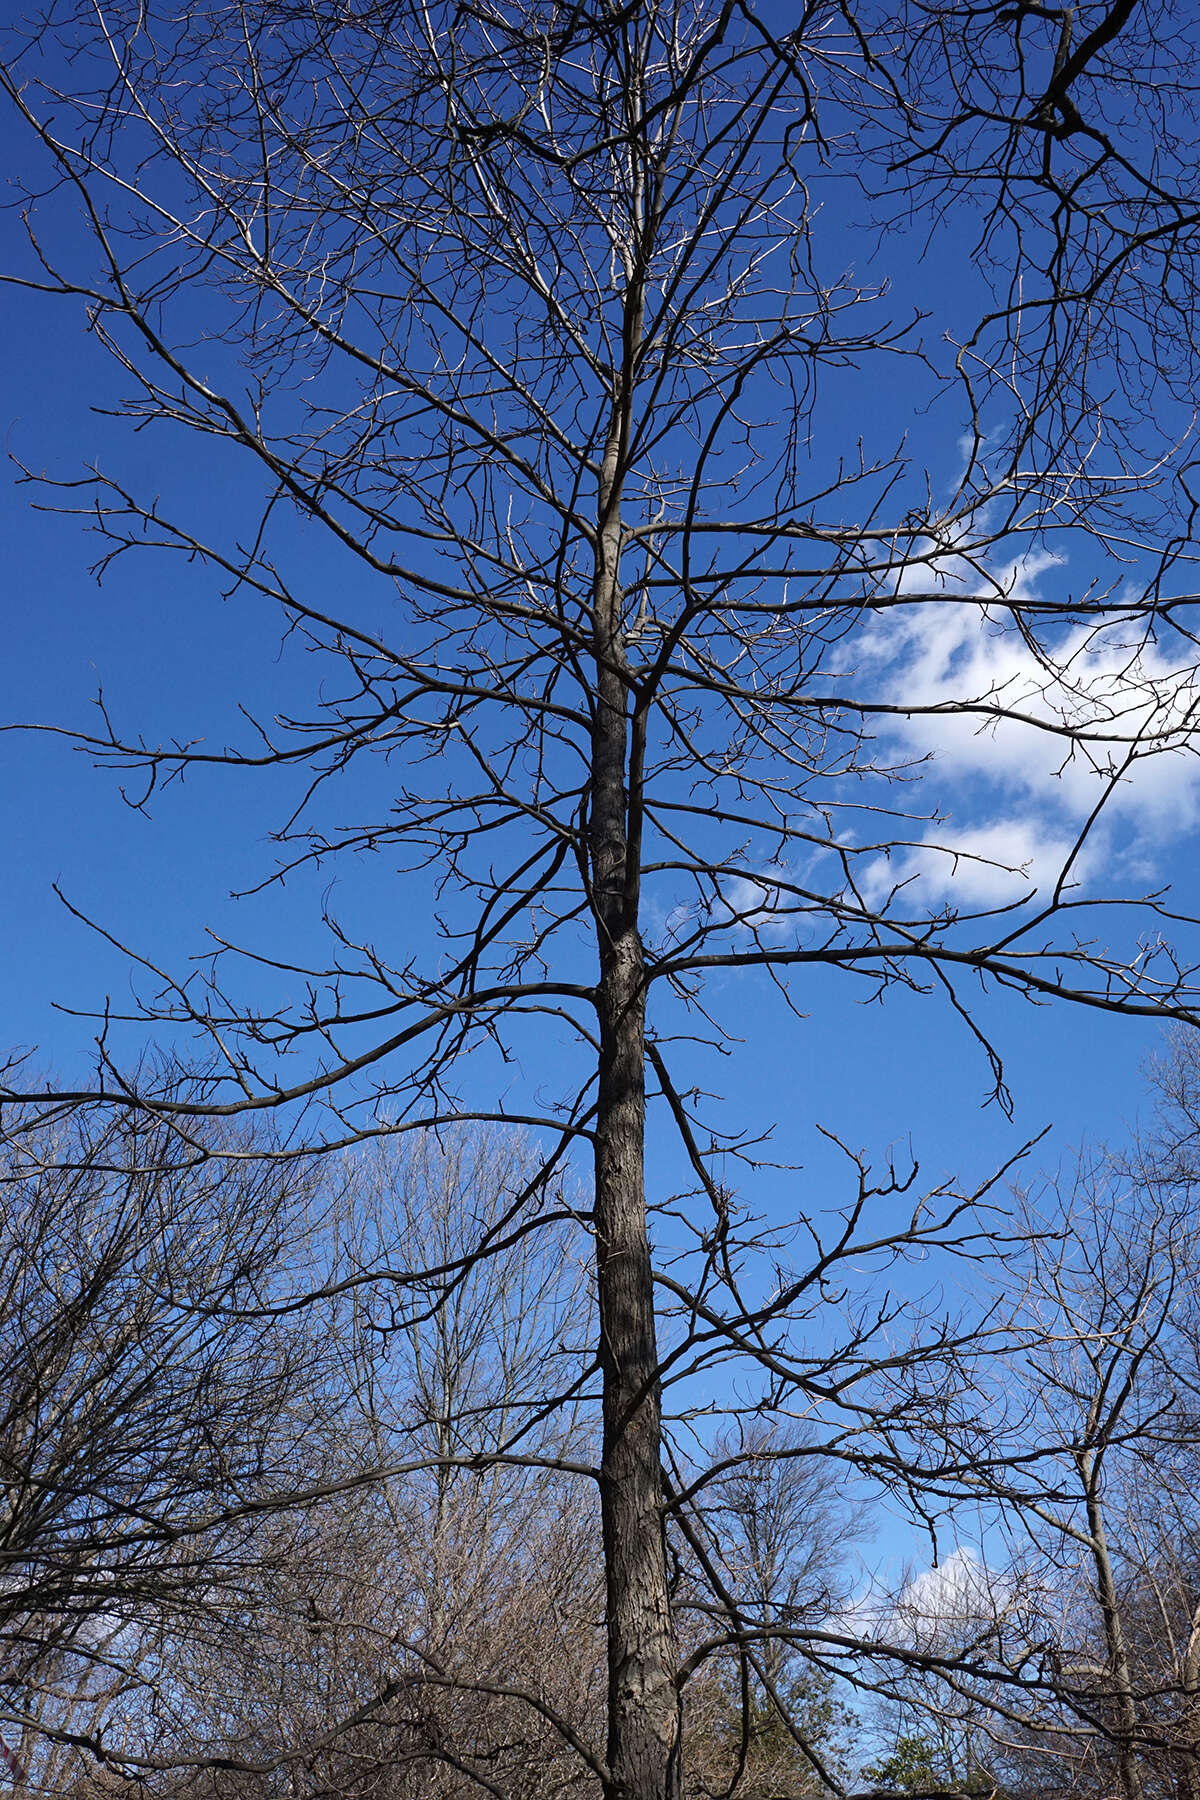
(643,1704)
(1123,1696)
(1188,1785)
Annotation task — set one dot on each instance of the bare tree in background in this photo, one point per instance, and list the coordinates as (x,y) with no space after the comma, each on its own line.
(236,1525)
(488,1573)
(777,1526)
(543,319)
(1090,1491)
(1115,1353)
(148,1414)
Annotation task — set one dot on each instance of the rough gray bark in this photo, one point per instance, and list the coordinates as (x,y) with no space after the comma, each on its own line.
(1120,1674)
(643,1718)
(643,1699)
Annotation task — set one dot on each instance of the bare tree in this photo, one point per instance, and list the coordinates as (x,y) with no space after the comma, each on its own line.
(469,1381)
(1089,1494)
(530,314)
(779,1530)
(386,1615)
(1118,1367)
(149,1414)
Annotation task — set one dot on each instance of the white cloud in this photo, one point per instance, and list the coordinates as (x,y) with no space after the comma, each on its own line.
(960,1598)
(1024,743)
(954,1589)
(1006,716)
(958,1601)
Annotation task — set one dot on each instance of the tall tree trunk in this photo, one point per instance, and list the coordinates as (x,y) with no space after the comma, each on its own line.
(1120,1672)
(643,1705)
(643,1701)
(1188,1786)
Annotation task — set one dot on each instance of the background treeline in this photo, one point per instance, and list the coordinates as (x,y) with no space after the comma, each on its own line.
(299,1496)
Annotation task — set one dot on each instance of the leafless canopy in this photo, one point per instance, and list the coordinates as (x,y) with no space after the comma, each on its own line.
(546,327)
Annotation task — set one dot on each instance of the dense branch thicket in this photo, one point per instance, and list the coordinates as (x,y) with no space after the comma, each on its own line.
(337,1583)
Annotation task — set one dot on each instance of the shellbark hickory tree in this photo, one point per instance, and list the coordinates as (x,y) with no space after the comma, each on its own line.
(668,423)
